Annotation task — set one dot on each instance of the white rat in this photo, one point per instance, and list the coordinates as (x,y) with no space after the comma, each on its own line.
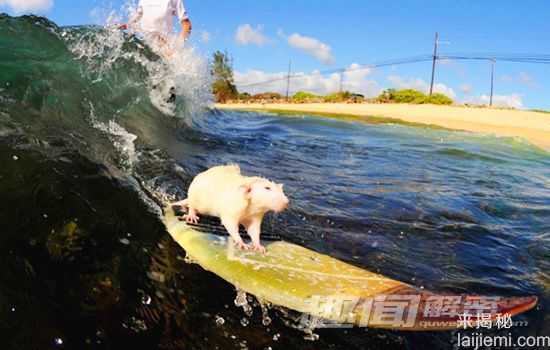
(236,199)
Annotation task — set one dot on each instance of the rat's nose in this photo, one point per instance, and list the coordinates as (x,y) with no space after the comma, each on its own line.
(286,202)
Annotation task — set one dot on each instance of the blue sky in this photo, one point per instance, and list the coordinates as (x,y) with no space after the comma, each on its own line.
(330,34)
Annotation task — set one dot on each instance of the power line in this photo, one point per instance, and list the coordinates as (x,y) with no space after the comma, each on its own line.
(436,43)
(492,81)
(288,79)
(488,56)
(344,70)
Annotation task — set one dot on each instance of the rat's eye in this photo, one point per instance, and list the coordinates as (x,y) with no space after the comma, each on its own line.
(268,188)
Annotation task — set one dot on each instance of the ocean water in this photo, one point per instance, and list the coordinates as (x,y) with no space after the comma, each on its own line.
(90,150)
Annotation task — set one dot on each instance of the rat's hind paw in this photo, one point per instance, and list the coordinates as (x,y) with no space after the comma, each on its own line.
(259,248)
(242,246)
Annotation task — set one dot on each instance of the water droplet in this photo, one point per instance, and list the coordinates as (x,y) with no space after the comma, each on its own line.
(124,241)
(266,321)
(245,322)
(311,337)
(240,300)
(248,310)
(276,337)
(58,341)
(146,300)
(156,276)
(219,320)
(13,309)
(15,158)
(188,260)
(45,216)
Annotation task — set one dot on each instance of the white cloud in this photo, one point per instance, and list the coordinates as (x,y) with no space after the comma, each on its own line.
(21,6)
(526,79)
(313,47)
(355,80)
(466,89)
(420,85)
(506,77)
(205,37)
(246,35)
(513,100)
(523,78)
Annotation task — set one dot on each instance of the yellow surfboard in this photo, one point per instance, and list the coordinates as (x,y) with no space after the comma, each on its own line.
(331,290)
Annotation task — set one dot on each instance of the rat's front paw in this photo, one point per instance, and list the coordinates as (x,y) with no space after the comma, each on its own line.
(191,218)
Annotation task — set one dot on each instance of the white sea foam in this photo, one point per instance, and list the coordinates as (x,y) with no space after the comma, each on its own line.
(122,140)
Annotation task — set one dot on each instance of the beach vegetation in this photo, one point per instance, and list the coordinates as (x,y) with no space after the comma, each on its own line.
(223,87)
(344,96)
(413,97)
(303,96)
(268,96)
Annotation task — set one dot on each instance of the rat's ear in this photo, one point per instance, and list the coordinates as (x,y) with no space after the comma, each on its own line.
(246,190)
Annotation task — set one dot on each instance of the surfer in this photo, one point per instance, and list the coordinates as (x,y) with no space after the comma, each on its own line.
(154,20)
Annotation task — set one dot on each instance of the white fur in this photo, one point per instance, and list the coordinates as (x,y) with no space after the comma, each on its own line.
(224,192)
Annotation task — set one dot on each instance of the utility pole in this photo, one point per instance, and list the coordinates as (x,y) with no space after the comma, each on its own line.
(436,43)
(288,80)
(492,81)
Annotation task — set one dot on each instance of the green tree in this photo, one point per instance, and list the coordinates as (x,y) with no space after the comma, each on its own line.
(223,87)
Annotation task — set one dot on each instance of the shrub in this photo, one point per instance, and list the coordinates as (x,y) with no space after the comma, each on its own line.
(303,96)
(409,96)
(245,96)
(439,99)
(268,96)
(338,97)
(413,97)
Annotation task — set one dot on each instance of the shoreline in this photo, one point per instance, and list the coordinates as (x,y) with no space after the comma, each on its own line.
(529,125)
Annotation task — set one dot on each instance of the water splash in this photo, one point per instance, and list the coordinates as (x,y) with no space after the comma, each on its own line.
(184,72)
(241,301)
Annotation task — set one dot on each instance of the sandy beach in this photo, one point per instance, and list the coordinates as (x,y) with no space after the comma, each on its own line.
(531,126)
